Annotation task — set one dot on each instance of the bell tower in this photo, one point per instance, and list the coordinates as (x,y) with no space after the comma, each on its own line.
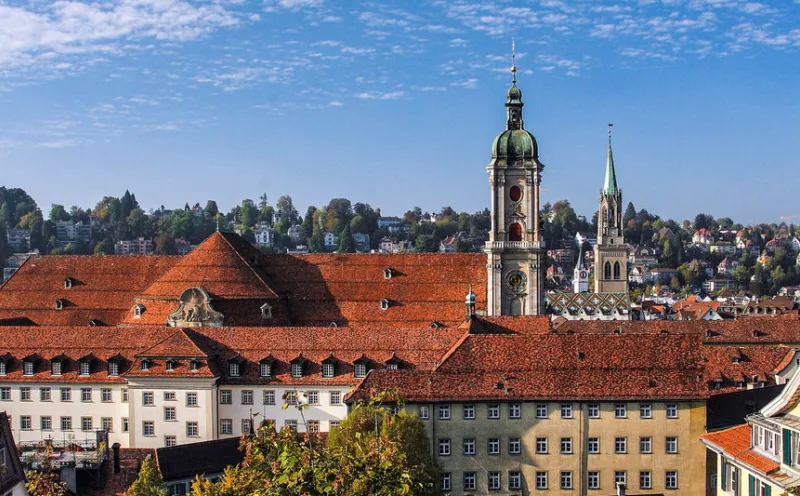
(515,250)
(611,253)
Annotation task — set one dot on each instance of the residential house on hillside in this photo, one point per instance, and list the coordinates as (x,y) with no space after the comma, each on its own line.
(19,239)
(331,241)
(703,236)
(393,245)
(182,247)
(68,232)
(642,255)
(561,256)
(140,246)
(361,241)
(14,262)
(724,248)
(637,274)
(295,233)
(264,234)
(660,274)
(666,233)
(726,267)
(585,237)
(389,222)
(712,286)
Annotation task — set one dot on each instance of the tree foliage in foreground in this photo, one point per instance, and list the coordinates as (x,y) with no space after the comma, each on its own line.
(149,482)
(372,452)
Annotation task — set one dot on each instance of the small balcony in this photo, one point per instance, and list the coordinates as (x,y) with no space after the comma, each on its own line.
(514,245)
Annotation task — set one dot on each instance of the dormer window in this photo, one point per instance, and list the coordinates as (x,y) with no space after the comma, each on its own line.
(333,324)
(388,272)
(297,369)
(266,369)
(85,367)
(94,323)
(385,304)
(360,369)
(145,365)
(391,366)
(113,368)
(393,363)
(59,304)
(3,367)
(194,366)
(69,282)
(735,360)
(266,312)
(138,310)
(740,384)
(27,367)
(435,325)
(55,367)
(328,370)
(234,369)
(169,365)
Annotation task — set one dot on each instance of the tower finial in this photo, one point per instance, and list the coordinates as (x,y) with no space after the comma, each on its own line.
(513,62)
(610,183)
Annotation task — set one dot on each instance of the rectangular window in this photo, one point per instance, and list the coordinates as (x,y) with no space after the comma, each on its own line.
(266,370)
(541,480)
(44,394)
(594,480)
(170,414)
(247,397)
(290,398)
(27,367)
(234,369)
(170,441)
(46,423)
(25,422)
(105,395)
(566,480)
(290,424)
(469,447)
(360,370)
(192,429)
(645,480)
(593,445)
(514,446)
(620,410)
(514,410)
(107,424)
(24,394)
(566,445)
(86,394)
(124,395)
(226,426)
(246,426)
(445,482)
(645,445)
(169,396)
(297,369)
(55,368)
(327,370)
(148,398)
(470,481)
(66,394)
(671,479)
(113,369)
(313,397)
(225,397)
(3,367)
(672,445)
(621,445)
(148,428)
(469,412)
(494,481)
(541,410)
(191,399)
(424,413)
(566,412)
(5,393)
(268,397)
(66,423)
(494,411)
(514,479)
(336,398)
(646,411)
(594,411)
(86,368)
(494,446)
(86,423)
(444,447)
(621,477)
(313,426)
(125,427)
(672,410)
(444,412)
(541,445)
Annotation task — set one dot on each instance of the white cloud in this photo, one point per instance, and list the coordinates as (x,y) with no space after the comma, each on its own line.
(378,95)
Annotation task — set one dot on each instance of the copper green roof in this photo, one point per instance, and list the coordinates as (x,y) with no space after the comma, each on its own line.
(610,183)
(515,144)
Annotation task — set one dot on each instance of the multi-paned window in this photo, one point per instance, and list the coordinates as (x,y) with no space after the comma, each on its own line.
(470,481)
(170,441)
(86,423)
(621,445)
(444,412)
(469,446)
(313,397)
(66,423)
(514,479)
(672,444)
(494,481)
(541,410)
(25,422)
(125,395)
(266,369)
(493,411)
(107,423)
(336,398)
(191,399)
(148,428)
(672,410)
(44,394)
(541,480)
(445,482)
(247,396)
(55,367)
(444,447)
(494,446)
(645,479)
(621,477)
(514,410)
(541,445)
(620,410)
(86,394)
(169,396)
(24,394)
(424,412)
(297,369)
(66,394)
(148,398)
(671,481)
(46,423)
(192,429)
(566,479)
(234,369)
(268,397)
(646,410)
(105,395)
(5,393)
(514,446)
(247,426)
(469,412)
(566,412)
(593,445)
(594,480)
(225,397)
(27,367)
(85,368)
(113,369)
(594,411)
(566,445)
(125,425)
(170,414)
(313,425)
(226,426)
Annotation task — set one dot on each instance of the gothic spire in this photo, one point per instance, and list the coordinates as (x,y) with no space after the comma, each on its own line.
(610,183)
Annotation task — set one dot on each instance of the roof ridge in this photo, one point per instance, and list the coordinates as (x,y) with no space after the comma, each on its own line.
(249,266)
(179,331)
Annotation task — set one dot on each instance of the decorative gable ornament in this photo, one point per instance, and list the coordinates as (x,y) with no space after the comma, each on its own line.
(195,310)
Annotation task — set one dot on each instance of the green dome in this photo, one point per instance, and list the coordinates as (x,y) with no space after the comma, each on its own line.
(514,94)
(514,144)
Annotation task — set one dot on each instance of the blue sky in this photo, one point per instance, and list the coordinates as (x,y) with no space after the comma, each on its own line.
(396,103)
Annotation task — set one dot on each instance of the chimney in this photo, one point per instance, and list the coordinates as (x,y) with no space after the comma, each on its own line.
(620,489)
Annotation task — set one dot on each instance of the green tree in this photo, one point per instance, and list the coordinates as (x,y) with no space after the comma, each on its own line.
(44,482)
(211,209)
(285,213)
(149,482)
(57,213)
(346,243)
(164,244)
(248,214)
(741,275)
(308,222)
(317,241)
(426,243)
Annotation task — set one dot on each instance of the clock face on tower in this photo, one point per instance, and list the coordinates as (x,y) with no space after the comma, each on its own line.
(516,280)
(583,274)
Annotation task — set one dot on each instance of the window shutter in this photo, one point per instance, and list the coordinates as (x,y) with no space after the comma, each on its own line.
(752,483)
(723,479)
(787,447)
(767,490)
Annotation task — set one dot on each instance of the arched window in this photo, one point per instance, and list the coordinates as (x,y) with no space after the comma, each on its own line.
(616,270)
(607,270)
(515,232)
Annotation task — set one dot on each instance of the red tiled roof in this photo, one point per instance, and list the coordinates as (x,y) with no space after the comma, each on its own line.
(757,362)
(735,442)
(555,367)
(177,345)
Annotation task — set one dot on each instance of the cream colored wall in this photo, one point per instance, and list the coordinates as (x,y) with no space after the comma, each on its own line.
(688,427)
(743,481)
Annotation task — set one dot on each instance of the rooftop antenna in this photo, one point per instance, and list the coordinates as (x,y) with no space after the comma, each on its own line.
(513,62)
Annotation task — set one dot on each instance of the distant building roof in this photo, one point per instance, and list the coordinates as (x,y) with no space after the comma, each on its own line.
(187,460)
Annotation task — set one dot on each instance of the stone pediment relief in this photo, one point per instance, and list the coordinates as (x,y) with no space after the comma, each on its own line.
(195,310)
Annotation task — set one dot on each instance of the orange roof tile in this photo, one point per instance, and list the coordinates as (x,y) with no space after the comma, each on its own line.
(735,442)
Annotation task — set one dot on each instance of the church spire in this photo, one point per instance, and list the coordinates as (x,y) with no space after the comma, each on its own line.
(610,183)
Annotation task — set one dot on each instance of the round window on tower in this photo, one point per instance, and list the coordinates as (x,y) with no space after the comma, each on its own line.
(515,193)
